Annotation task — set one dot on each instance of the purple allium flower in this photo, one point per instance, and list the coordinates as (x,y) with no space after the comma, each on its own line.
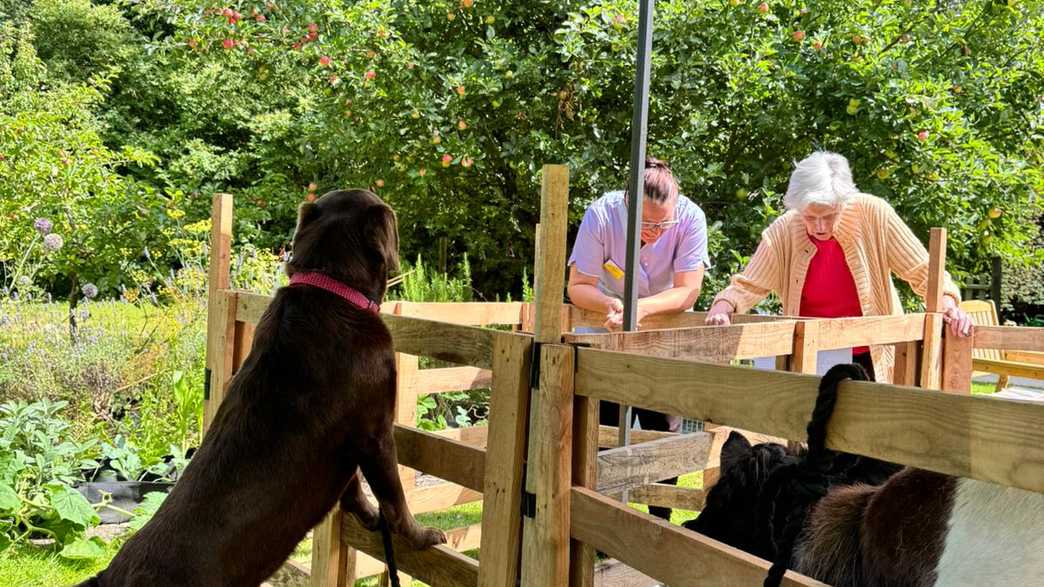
(53,241)
(43,226)
(90,291)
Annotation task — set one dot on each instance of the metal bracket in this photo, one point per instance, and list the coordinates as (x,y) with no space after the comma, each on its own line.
(534,366)
(206,384)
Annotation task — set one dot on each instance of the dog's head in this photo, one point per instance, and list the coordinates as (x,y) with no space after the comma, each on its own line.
(350,235)
(733,506)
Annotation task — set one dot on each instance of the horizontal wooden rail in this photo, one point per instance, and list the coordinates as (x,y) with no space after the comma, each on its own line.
(438,497)
(1015,338)
(578,317)
(416,336)
(716,344)
(439,565)
(669,496)
(1009,368)
(466,345)
(451,379)
(627,467)
(839,333)
(443,457)
(983,438)
(609,436)
(471,435)
(661,550)
(465,538)
(464,313)
(249,306)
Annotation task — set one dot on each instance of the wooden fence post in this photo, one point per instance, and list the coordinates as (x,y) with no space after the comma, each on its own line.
(957,363)
(220,313)
(806,348)
(931,353)
(585,474)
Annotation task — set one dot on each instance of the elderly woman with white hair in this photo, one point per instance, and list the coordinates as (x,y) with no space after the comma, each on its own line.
(832,254)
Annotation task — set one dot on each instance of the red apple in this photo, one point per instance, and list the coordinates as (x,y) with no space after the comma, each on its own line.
(370,74)
(310,197)
(763,8)
(922,136)
(462,125)
(312,187)
(325,60)
(467,162)
(460,90)
(228,43)
(447,159)
(260,18)
(311,36)
(798,36)
(817,44)
(467,3)
(379,183)
(313,28)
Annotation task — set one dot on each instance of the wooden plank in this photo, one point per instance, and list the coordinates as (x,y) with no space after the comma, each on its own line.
(966,436)
(609,436)
(670,496)
(671,554)
(580,317)
(957,363)
(716,344)
(451,379)
(905,371)
(406,368)
(545,538)
(613,573)
(251,306)
(1025,357)
(806,347)
(465,313)
(839,333)
(445,458)
(931,351)
(464,539)
(550,279)
(1015,338)
(221,326)
(218,279)
(936,269)
(506,443)
(244,340)
(450,342)
(329,553)
(439,565)
(434,498)
(626,467)
(585,474)
(1010,368)
(471,435)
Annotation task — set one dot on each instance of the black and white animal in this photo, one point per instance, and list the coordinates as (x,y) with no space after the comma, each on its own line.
(916,528)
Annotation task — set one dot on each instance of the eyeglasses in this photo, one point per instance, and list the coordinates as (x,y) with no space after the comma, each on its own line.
(659,225)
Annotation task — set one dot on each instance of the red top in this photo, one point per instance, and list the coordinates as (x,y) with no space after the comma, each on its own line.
(830,291)
(349,293)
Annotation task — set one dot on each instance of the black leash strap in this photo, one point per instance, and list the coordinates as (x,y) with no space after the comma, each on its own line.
(389,553)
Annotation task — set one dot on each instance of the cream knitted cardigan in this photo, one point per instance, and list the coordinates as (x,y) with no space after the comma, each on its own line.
(876,243)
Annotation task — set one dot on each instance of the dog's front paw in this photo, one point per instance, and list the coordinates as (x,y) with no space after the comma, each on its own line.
(428,537)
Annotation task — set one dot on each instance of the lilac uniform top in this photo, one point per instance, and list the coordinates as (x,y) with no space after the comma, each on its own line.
(603,236)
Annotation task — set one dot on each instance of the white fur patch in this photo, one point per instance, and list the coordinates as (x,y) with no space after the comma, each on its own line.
(996,537)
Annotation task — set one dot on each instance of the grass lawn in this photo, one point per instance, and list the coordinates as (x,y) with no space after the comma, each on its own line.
(30,566)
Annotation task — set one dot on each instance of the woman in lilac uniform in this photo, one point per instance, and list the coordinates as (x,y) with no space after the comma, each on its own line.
(670,267)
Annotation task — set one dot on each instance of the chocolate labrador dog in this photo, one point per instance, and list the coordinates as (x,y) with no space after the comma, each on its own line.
(311,406)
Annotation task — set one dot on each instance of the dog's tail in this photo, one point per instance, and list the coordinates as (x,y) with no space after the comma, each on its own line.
(825,402)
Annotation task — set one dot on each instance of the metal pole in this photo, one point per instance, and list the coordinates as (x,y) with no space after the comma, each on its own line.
(636,186)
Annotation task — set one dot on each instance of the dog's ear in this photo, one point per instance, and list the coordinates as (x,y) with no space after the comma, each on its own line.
(735,450)
(306,214)
(382,235)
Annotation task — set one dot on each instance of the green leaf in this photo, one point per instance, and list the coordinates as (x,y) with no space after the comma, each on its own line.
(72,506)
(9,501)
(83,549)
(147,508)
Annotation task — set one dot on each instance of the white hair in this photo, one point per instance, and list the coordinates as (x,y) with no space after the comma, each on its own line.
(821,178)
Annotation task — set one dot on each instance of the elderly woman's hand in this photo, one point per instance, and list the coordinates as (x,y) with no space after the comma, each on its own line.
(720,314)
(959,320)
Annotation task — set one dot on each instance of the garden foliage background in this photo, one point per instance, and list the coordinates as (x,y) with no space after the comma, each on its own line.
(120,118)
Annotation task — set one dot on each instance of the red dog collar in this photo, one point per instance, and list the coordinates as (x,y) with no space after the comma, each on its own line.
(323,281)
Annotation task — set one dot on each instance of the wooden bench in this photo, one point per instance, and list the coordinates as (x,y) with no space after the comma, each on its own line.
(1003,363)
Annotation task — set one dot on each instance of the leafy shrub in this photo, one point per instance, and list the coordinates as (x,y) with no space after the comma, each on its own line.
(417,283)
